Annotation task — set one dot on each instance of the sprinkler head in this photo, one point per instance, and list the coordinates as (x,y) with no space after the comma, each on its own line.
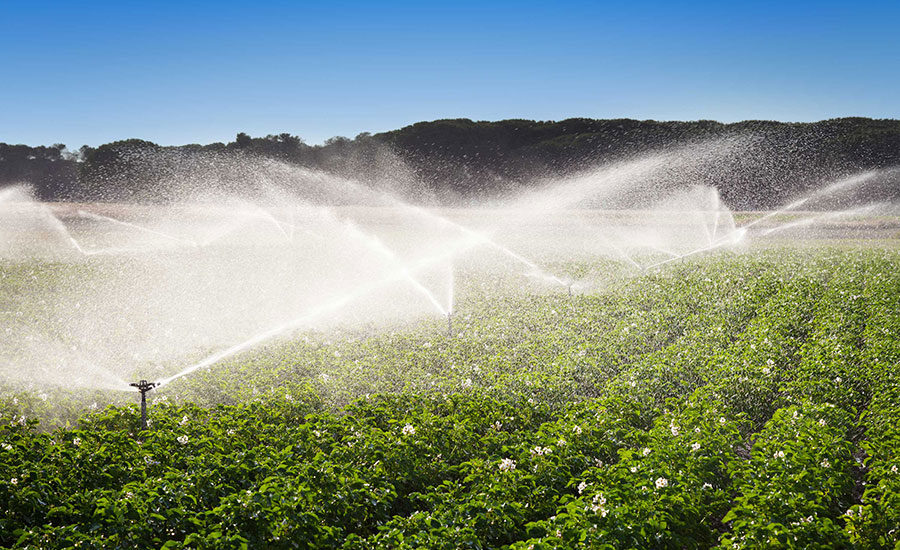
(143,386)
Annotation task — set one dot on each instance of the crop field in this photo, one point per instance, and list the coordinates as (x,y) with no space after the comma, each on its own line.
(741,399)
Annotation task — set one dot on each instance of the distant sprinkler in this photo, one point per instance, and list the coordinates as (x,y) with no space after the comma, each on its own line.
(450,324)
(143,386)
(570,289)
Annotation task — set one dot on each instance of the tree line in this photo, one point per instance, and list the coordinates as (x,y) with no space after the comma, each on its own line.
(460,160)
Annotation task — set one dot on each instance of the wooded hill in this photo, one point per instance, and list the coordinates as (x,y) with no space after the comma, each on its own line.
(462,161)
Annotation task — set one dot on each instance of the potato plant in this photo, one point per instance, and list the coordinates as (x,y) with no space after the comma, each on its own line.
(733,401)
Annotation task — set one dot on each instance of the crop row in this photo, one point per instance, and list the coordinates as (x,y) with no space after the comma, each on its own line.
(736,402)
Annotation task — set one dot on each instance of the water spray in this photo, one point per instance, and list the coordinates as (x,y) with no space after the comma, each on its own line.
(143,386)
(99,217)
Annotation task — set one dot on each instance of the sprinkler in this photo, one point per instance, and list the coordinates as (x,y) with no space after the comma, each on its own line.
(143,386)
(450,324)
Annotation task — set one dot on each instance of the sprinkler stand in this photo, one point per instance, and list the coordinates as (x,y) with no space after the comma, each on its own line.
(143,386)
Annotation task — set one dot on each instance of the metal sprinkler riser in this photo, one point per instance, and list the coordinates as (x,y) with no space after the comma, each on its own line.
(143,386)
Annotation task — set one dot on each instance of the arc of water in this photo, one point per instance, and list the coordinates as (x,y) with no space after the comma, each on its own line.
(621,252)
(265,214)
(823,217)
(324,308)
(738,234)
(706,228)
(391,199)
(386,253)
(715,228)
(61,228)
(843,183)
(86,214)
(610,243)
(374,243)
(534,269)
(262,213)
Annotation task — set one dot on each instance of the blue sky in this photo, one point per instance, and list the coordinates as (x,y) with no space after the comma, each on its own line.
(198,72)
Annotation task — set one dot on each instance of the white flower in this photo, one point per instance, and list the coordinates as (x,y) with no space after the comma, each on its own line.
(838,380)
(467,383)
(541,451)
(577,429)
(597,504)
(770,362)
(633,469)
(822,422)
(229,431)
(507,464)
(894,469)
(661,482)
(646,451)
(497,425)
(77,442)
(706,486)
(825,463)
(183,439)
(695,447)
(561,442)
(14,481)
(7,447)
(582,486)
(766,370)
(721,420)
(409,430)
(184,420)
(778,454)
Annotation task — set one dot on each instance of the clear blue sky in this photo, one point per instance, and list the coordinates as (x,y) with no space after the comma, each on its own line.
(201,71)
